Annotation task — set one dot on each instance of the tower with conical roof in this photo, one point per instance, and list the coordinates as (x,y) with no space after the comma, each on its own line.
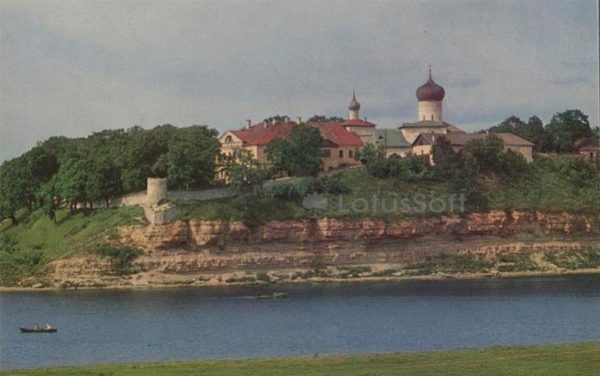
(430,96)
(353,107)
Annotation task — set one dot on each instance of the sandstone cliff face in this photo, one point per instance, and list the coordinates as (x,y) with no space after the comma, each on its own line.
(197,245)
(190,251)
(200,234)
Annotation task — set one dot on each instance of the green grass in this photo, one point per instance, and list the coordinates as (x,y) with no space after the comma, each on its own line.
(545,188)
(547,360)
(36,235)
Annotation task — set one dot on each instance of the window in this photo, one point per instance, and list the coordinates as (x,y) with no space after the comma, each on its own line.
(341,154)
(431,116)
(228,139)
(351,154)
(325,153)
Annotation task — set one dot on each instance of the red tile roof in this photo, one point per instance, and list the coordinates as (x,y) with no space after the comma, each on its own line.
(357,123)
(332,133)
(261,134)
(460,138)
(338,134)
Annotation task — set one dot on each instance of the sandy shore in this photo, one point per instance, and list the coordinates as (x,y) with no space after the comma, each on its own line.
(431,277)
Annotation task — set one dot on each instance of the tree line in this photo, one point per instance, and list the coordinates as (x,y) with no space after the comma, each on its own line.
(77,172)
(558,136)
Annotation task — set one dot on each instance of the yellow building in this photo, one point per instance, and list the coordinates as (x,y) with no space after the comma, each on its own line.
(338,148)
(424,142)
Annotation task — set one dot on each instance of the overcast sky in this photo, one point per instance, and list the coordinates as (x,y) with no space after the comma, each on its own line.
(71,68)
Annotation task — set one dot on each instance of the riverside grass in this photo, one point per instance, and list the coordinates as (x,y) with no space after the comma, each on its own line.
(547,360)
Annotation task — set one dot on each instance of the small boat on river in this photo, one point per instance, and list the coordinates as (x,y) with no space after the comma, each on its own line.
(38,329)
(275,295)
(41,330)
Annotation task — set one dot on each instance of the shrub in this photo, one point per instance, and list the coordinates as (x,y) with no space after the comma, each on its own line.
(262,276)
(121,257)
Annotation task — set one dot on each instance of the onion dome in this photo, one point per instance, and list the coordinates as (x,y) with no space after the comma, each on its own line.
(430,91)
(354,105)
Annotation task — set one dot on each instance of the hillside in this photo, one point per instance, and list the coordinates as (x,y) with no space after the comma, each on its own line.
(25,249)
(544,220)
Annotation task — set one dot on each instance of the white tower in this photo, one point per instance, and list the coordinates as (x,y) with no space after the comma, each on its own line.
(430,97)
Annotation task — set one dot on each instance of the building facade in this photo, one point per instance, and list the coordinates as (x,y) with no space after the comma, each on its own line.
(343,139)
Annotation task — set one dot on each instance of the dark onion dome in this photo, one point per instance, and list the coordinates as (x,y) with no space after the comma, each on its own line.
(354,105)
(430,91)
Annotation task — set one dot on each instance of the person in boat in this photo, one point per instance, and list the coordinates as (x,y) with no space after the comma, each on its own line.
(48,327)
(36,327)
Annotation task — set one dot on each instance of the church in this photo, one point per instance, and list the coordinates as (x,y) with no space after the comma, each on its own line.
(343,139)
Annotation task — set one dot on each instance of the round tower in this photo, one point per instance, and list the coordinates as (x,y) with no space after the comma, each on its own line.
(353,107)
(430,96)
(156,190)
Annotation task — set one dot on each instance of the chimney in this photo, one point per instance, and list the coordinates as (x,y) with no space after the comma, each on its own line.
(299,120)
(265,124)
(273,121)
(365,118)
(248,123)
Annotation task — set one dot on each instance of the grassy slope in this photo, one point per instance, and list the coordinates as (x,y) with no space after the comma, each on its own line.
(544,190)
(72,234)
(567,359)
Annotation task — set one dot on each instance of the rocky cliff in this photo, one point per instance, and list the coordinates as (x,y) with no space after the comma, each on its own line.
(210,248)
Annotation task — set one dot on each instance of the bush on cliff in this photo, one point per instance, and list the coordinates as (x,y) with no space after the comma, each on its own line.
(121,257)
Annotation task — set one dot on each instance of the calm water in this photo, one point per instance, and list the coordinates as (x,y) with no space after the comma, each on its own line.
(191,323)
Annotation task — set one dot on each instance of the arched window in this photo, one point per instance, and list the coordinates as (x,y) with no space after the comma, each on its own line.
(228,139)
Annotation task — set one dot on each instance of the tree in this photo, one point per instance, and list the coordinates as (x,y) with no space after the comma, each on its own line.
(305,144)
(244,172)
(192,156)
(299,154)
(445,159)
(71,181)
(103,180)
(565,128)
(14,188)
(532,131)
(483,155)
(374,160)
(324,119)
(277,119)
(280,155)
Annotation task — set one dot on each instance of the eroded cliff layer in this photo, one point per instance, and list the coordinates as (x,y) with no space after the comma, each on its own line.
(195,250)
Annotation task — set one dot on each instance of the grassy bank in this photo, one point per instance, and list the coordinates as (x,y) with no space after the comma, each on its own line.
(566,359)
(37,240)
(571,191)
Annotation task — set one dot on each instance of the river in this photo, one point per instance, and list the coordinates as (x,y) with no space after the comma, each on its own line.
(99,326)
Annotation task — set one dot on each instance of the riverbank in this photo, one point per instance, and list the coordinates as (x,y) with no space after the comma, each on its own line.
(216,283)
(563,359)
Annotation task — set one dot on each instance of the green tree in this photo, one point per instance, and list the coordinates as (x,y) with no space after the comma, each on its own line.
(71,181)
(445,160)
(192,157)
(532,131)
(374,161)
(14,188)
(324,119)
(483,155)
(103,180)
(305,144)
(280,155)
(565,128)
(244,172)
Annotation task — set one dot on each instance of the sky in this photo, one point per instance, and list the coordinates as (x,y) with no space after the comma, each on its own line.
(75,67)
